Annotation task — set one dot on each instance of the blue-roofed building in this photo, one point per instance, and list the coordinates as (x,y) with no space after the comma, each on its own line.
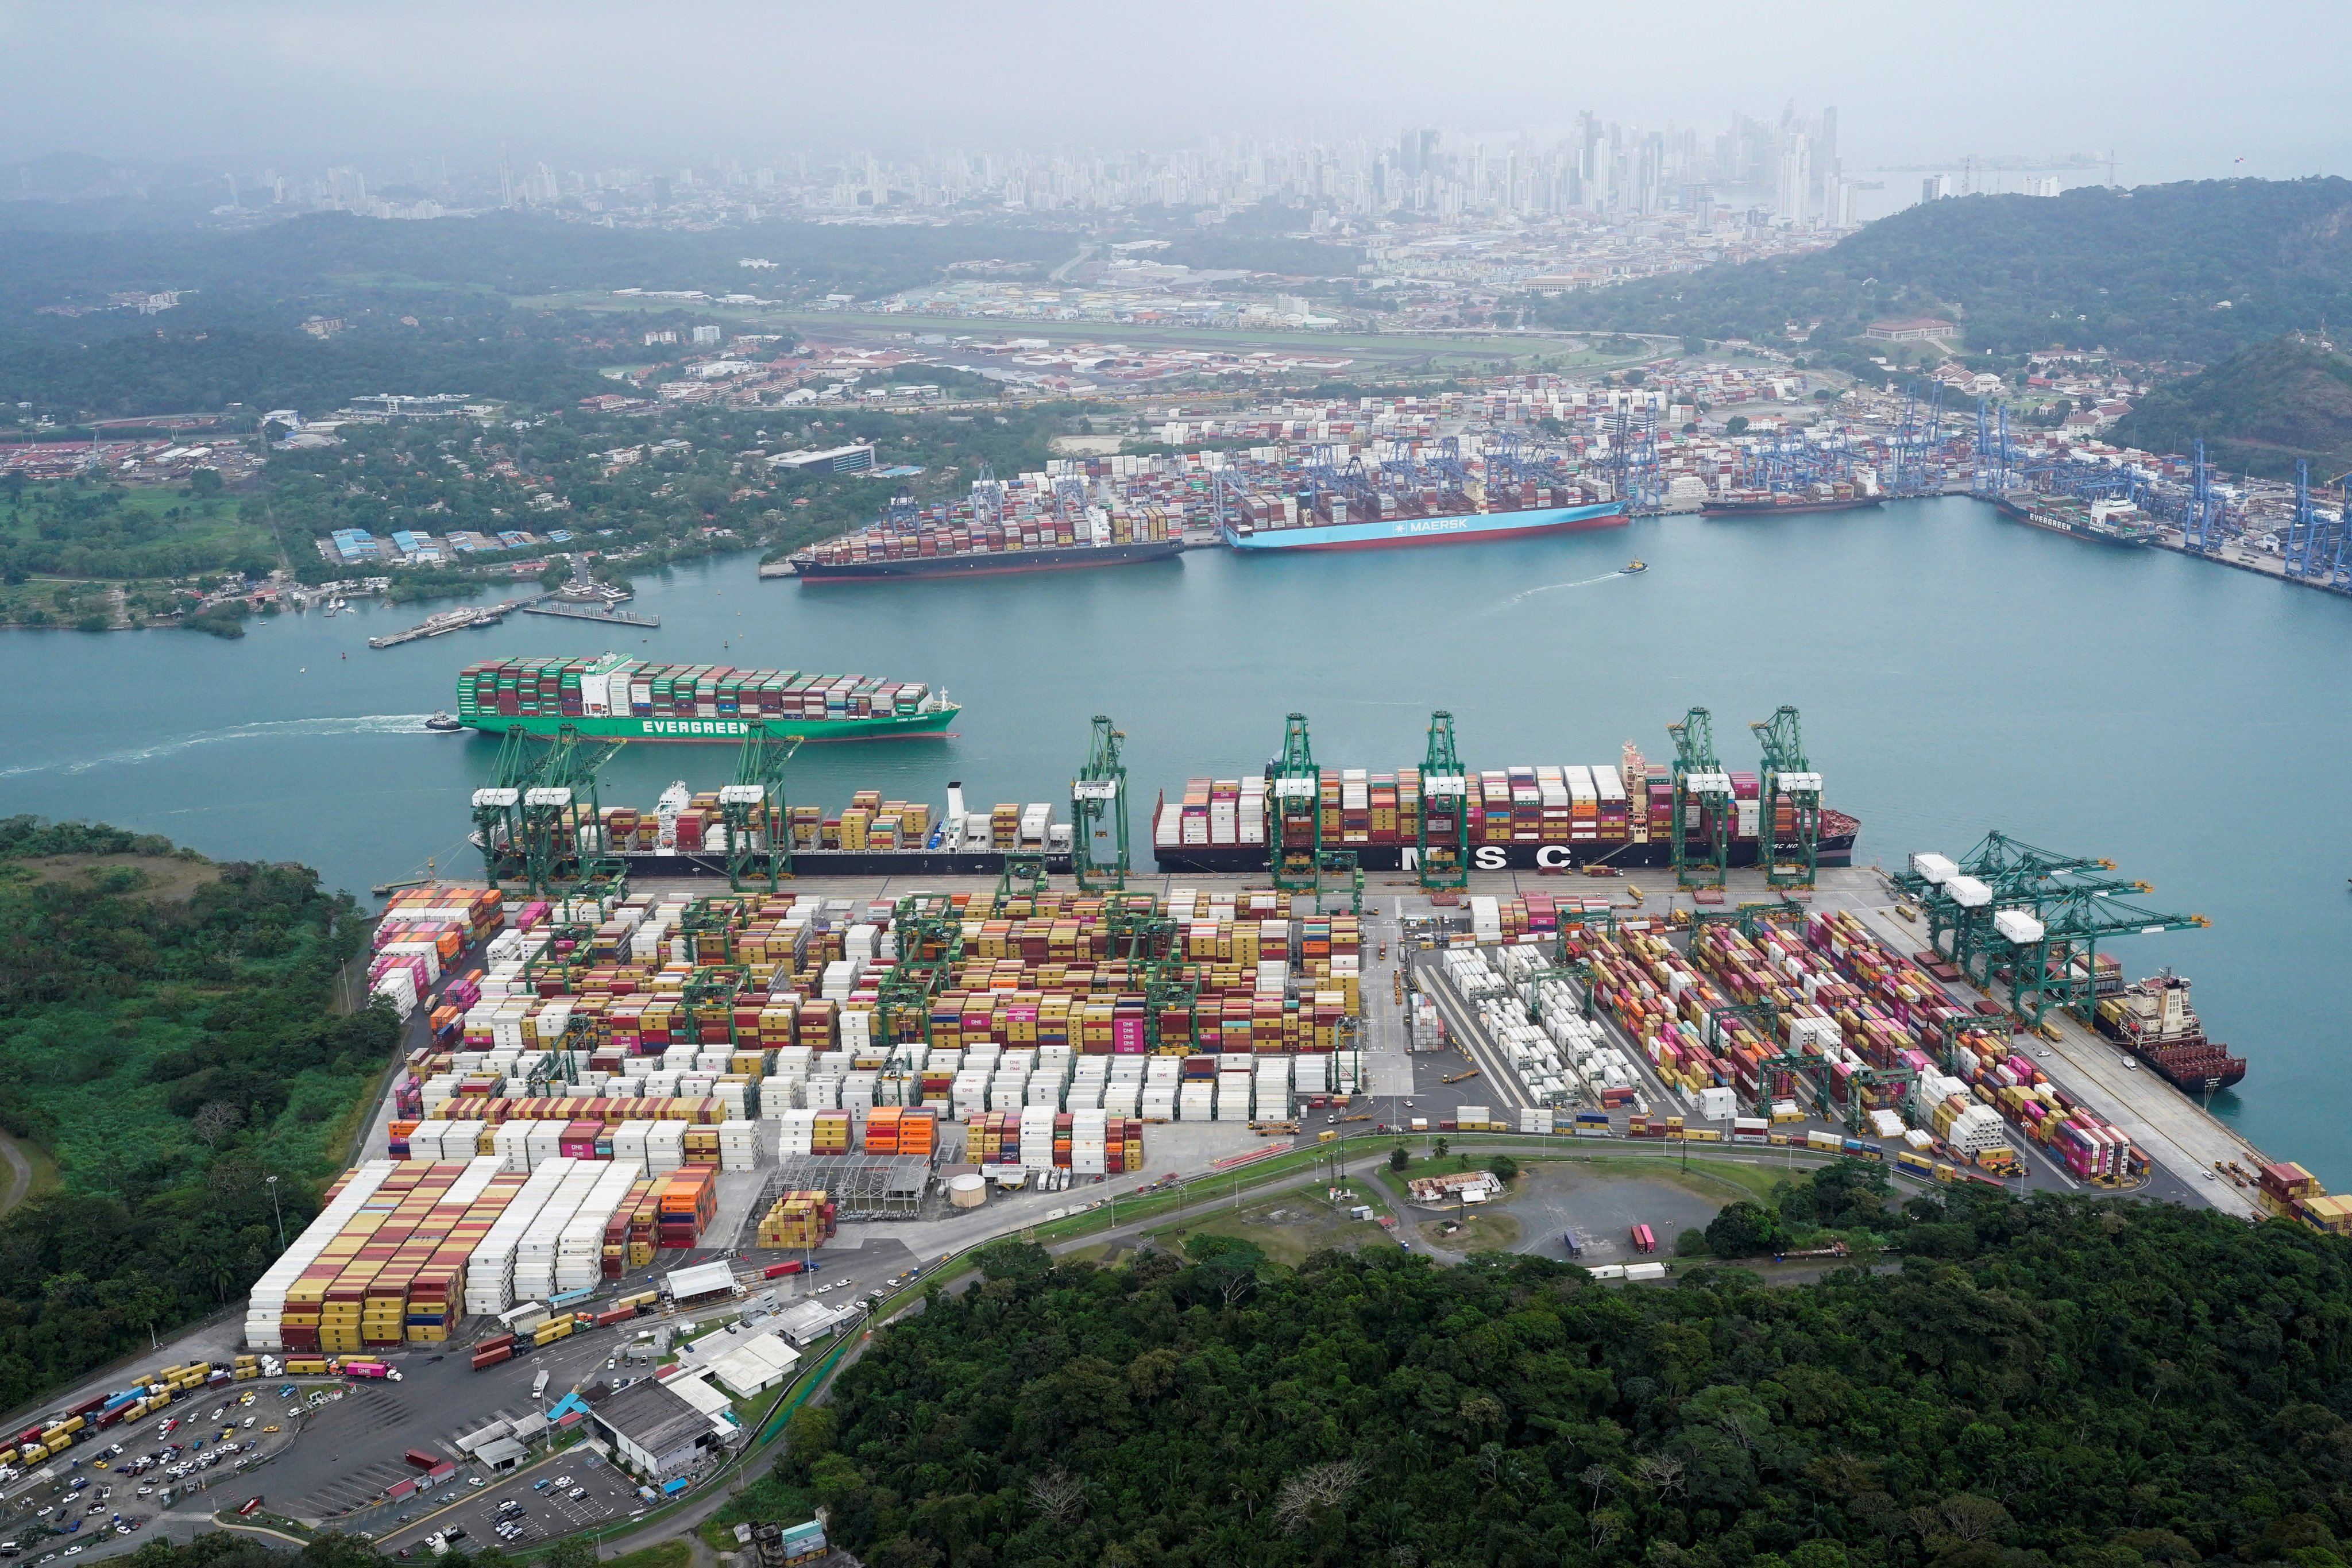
(356,544)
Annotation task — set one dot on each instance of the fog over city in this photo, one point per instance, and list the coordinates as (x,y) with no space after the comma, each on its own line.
(315,83)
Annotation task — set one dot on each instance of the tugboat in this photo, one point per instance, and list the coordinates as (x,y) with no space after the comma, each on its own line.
(442,723)
(1632,568)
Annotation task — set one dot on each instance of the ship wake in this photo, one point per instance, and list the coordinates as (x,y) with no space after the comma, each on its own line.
(272,729)
(1550,588)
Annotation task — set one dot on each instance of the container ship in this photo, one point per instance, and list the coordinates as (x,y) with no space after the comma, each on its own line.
(1784,503)
(1009,526)
(1331,525)
(982,562)
(2154,1021)
(2100,521)
(685,834)
(1524,819)
(624,698)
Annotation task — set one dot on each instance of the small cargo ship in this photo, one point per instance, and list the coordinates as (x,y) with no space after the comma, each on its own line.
(2113,522)
(1458,527)
(619,698)
(2154,1021)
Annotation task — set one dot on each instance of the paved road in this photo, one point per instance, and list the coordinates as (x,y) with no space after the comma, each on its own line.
(20,1173)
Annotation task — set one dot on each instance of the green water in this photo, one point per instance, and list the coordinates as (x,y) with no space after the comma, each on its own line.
(1956,671)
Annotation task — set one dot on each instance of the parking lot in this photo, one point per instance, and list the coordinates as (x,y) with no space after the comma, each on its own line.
(545,1506)
(213,1469)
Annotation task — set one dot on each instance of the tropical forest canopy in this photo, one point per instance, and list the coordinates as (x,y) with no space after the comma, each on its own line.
(2257,411)
(2046,1382)
(169,1039)
(2191,271)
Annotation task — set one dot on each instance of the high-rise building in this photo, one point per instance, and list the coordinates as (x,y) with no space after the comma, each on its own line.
(1796,179)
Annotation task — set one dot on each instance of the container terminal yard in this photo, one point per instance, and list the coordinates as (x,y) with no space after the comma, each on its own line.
(675,1070)
(1540,453)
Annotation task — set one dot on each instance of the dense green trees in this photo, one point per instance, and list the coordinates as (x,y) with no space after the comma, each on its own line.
(2051,1382)
(167,1035)
(2256,412)
(2192,272)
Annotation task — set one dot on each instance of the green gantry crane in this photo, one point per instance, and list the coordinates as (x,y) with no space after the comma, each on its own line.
(2053,952)
(1999,874)
(1024,875)
(497,806)
(1443,781)
(1344,868)
(754,806)
(1699,776)
(529,821)
(1098,810)
(1297,787)
(1788,777)
(930,945)
(562,827)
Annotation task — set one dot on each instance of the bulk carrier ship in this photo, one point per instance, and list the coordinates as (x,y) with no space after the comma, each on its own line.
(620,697)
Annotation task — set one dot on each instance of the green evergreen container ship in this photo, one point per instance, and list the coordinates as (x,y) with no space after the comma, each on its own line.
(625,699)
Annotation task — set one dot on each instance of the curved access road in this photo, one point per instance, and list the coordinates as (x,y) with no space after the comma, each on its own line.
(20,1174)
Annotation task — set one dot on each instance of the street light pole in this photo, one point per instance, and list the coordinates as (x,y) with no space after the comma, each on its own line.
(271,1183)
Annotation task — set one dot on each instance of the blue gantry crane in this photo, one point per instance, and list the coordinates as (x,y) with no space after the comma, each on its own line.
(1917,439)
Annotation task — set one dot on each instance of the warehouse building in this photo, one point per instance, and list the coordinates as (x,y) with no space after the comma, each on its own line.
(659,1431)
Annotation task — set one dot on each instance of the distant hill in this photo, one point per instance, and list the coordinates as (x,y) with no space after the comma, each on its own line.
(2143,272)
(2258,411)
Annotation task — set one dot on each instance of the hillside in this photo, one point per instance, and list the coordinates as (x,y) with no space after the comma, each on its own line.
(2142,272)
(2258,411)
(2054,1382)
(168,1037)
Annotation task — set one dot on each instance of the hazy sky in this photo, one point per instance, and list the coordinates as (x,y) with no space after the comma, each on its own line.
(2179,90)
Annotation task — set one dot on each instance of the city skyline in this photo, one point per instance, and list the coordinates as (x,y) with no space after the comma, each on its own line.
(262,82)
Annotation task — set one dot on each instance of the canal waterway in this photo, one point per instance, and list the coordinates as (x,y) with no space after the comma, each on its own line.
(1956,671)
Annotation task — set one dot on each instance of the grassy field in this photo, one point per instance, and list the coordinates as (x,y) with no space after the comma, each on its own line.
(1287,1226)
(77,530)
(667,1555)
(1479,1230)
(163,878)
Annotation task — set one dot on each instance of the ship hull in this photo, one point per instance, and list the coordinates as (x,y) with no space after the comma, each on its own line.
(837,863)
(725,731)
(1837,851)
(2050,523)
(1791,508)
(993,563)
(1465,527)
